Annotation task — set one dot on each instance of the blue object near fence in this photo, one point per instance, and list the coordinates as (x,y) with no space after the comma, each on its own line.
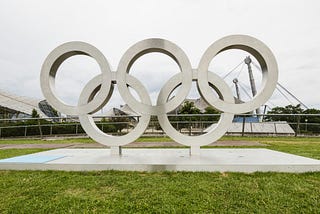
(31,159)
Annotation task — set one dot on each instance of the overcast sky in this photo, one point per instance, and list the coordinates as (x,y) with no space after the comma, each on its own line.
(29,30)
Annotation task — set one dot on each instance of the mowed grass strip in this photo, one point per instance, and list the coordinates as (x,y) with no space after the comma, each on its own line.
(46,141)
(304,146)
(289,139)
(171,192)
(261,139)
(179,192)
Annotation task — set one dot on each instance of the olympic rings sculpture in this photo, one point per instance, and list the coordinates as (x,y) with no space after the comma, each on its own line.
(99,89)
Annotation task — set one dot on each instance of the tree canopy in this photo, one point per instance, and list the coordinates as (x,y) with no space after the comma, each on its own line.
(189,108)
(307,123)
(34,114)
(291,109)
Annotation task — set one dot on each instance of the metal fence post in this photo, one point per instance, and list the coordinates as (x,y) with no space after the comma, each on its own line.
(243,125)
(40,130)
(298,123)
(190,127)
(298,127)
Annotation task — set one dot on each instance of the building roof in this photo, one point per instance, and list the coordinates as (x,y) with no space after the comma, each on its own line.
(199,103)
(123,110)
(279,127)
(19,103)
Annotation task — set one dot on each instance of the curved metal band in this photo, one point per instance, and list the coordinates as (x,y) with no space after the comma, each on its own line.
(94,132)
(50,69)
(216,130)
(265,58)
(99,90)
(147,46)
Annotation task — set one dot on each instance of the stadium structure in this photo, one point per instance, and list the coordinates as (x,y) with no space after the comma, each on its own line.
(13,106)
(253,124)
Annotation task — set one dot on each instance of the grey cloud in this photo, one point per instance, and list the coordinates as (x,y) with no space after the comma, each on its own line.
(31,29)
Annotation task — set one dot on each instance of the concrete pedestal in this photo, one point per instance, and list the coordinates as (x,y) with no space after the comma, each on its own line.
(233,160)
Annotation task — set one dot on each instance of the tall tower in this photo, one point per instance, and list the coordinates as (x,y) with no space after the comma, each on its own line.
(235,81)
(248,61)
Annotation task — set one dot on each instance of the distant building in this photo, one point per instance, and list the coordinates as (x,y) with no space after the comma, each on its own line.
(14,106)
(199,103)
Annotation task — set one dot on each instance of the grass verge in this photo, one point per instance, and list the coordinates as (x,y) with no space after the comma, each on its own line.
(304,146)
(46,141)
(183,192)
(177,192)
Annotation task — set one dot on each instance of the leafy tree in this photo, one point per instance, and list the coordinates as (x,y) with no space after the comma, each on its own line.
(189,108)
(103,120)
(194,121)
(311,124)
(307,123)
(313,119)
(120,122)
(55,112)
(185,121)
(289,109)
(105,126)
(34,114)
(211,110)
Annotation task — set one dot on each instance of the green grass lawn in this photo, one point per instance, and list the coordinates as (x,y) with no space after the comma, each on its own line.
(163,139)
(182,192)
(305,146)
(73,140)
(171,192)
(40,141)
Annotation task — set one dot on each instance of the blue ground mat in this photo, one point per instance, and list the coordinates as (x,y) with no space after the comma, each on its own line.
(31,159)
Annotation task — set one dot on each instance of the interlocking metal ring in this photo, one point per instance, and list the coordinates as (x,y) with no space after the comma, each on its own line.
(99,90)
(50,68)
(94,132)
(215,132)
(266,60)
(147,46)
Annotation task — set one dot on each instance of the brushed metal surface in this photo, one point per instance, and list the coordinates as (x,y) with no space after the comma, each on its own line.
(99,90)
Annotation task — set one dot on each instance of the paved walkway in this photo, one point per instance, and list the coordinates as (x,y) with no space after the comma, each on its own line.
(131,145)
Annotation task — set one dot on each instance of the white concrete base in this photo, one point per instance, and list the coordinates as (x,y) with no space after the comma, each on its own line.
(233,160)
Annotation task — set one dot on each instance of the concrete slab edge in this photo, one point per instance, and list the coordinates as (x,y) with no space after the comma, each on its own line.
(164,167)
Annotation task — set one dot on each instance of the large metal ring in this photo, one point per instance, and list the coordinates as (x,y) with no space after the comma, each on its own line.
(147,46)
(216,130)
(91,128)
(99,90)
(265,58)
(50,68)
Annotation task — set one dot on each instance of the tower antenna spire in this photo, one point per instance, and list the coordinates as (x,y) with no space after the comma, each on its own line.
(248,62)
